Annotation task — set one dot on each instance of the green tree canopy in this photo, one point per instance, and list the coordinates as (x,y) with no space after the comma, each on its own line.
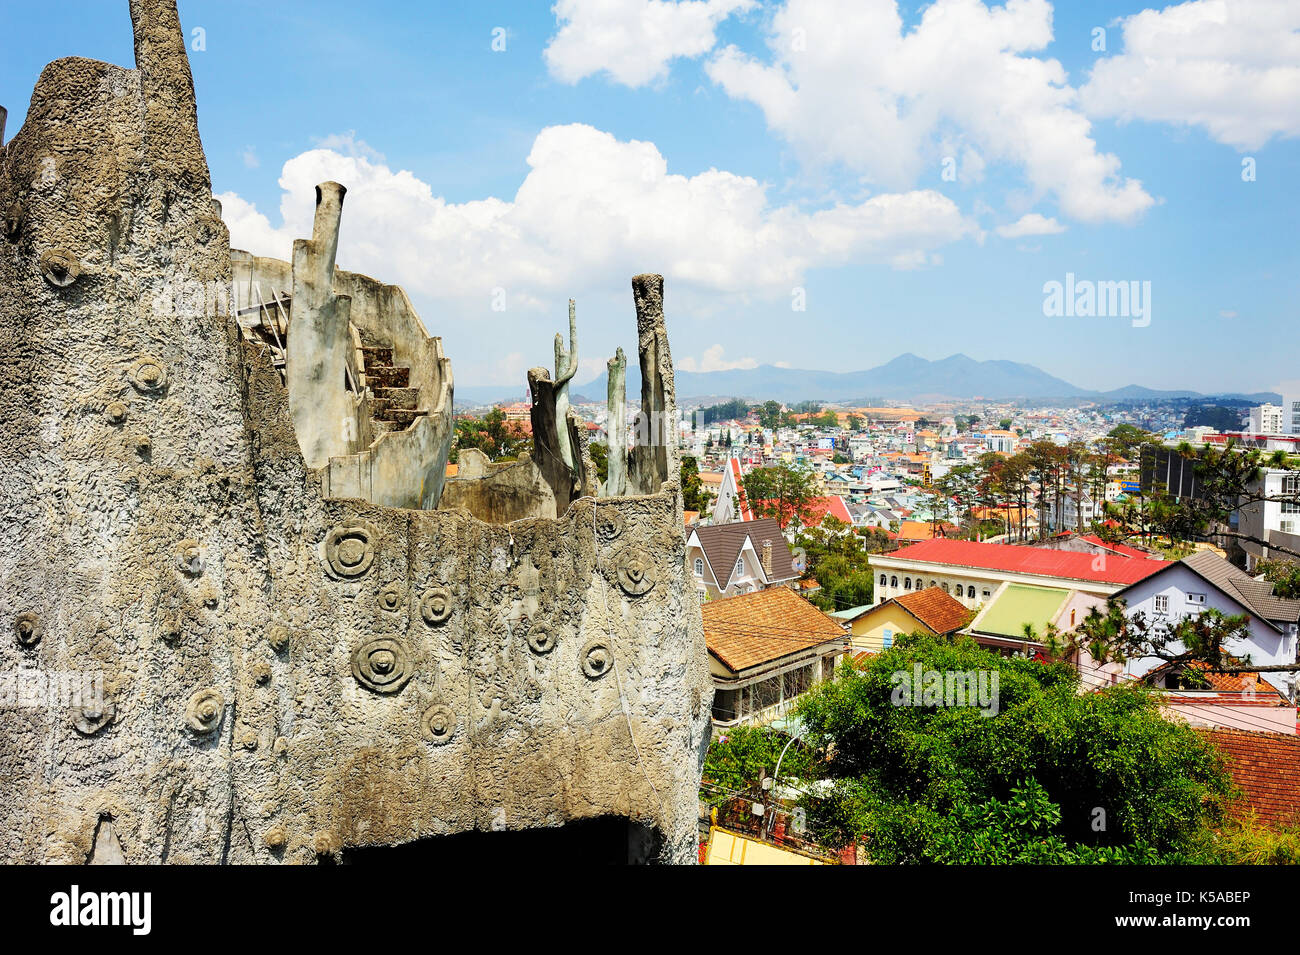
(782,491)
(694,496)
(1053,775)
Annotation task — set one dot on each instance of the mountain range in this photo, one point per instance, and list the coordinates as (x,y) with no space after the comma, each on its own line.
(907,378)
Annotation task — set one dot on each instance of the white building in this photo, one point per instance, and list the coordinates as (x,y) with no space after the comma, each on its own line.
(1206,581)
(1071,511)
(739,558)
(972,571)
(1267,419)
(729,507)
(1264,519)
(1003,441)
(1291,413)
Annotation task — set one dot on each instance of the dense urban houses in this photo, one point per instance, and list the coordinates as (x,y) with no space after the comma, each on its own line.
(739,558)
(766,649)
(971,571)
(1205,581)
(934,611)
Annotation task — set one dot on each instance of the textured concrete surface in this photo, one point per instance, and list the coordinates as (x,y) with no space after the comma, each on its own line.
(285,677)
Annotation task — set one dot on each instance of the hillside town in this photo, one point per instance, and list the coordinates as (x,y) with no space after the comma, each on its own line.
(1002,522)
(612,433)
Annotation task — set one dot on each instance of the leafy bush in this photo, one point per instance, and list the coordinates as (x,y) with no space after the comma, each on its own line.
(1053,776)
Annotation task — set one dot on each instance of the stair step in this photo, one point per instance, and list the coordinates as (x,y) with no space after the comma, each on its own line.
(386,376)
(408,398)
(401,416)
(380,426)
(377,355)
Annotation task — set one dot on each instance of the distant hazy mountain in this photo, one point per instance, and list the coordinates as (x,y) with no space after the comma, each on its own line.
(907,378)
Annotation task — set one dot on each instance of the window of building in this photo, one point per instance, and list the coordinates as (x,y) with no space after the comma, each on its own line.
(798,682)
(893,581)
(1196,598)
(1162,603)
(907,583)
(945,586)
(933,583)
(987,594)
(740,566)
(1291,488)
(766,693)
(699,566)
(726,705)
(970,592)
(887,638)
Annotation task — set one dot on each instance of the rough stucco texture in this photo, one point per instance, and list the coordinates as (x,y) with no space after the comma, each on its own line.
(284,677)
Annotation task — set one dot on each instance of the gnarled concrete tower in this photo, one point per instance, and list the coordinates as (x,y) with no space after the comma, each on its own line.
(222,486)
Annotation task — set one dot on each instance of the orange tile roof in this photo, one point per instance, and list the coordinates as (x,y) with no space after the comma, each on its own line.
(936,608)
(757,628)
(1251,683)
(1267,768)
(924,531)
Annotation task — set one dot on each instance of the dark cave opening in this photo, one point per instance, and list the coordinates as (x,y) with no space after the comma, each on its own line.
(606,840)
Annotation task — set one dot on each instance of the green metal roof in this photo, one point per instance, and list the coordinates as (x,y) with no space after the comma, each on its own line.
(1018,605)
(851,613)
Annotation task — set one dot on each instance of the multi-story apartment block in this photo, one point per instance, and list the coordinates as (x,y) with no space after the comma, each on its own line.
(1267,419)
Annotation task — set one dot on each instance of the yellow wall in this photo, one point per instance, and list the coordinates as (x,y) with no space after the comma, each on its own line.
(732,848)
(869,629)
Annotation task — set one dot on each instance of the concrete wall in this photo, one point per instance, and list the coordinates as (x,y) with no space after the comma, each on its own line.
(498,492)
(285,676)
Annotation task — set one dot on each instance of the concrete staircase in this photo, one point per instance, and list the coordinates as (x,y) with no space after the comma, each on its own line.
(395,405)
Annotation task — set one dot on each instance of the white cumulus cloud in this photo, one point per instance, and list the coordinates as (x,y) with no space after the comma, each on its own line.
(846,86)
(1030,224)
(1232,68)
(712,360)
(591,207)
(632,40)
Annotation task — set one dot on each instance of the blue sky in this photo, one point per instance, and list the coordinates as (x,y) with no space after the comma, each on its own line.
(748,150)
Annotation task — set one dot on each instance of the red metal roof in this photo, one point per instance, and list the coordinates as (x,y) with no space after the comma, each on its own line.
(1123,549)
(1041,561)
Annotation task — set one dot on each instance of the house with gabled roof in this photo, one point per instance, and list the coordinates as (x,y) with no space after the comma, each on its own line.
(873,628)
(812,514)
(1206,581)
(730,505)
(1200,696)
(766,650)
(739,558)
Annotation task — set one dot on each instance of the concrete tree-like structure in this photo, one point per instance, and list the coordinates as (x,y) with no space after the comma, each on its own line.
(317,352)
(616,407)
(293,652)
(566,366)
